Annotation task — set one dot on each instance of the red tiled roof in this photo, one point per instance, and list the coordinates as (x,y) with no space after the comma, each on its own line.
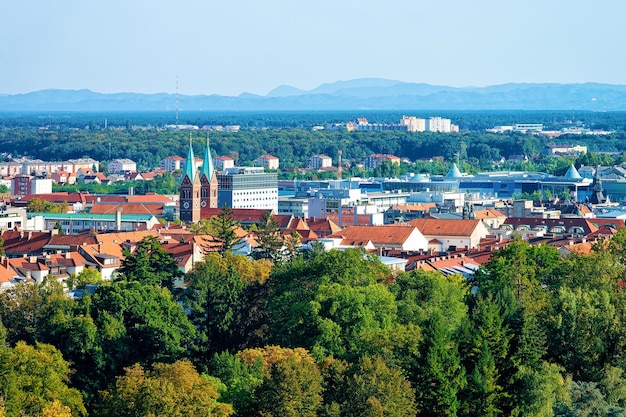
(488,213)
(6,275)
(19,242)
(72,240)
(378,235)
(243,216)
(347,219)
(322,227)
(181,252)
(619,223)
(415,207)
(283,220)
(568,222)
(25,263)
(445,227)
(59,197)
(72,259)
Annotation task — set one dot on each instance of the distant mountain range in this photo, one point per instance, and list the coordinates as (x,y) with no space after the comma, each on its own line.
(358,94)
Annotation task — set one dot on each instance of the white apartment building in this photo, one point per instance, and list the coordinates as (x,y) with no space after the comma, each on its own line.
(73,165)
(320,161)
(117,166)
(172,163)
(413,124)
(267,161)
(223,162)
(438,124)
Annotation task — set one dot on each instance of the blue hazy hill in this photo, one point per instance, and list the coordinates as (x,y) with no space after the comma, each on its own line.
(358,94)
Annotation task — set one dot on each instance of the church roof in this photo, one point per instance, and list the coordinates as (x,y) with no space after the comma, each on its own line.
(207,165)
(190,166)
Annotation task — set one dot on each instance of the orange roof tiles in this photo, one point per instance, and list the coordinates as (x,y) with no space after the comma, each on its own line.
(488,214)
(415,207)
(385,235)
(445,227)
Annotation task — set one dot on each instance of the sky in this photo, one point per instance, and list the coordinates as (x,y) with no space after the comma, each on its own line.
(229,47)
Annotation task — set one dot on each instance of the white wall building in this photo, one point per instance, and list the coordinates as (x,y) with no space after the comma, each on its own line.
(320,161)
(122,165)
(223,162)
(172,163)
(248,187)
(413,124)
(267,161)
(41,186)
(438,124)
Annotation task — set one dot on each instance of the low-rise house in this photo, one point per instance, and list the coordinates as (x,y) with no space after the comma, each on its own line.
(446,234)
(373,161)
(29,268)
(8,277)
(18,243)
(319,162)
(223,162)
(267,161)
(381,238)
(117,166)
(492,218)
(563,226)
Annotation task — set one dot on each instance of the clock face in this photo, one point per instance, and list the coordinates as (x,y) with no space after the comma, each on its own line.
(186,204)
(196,205)
(203,203)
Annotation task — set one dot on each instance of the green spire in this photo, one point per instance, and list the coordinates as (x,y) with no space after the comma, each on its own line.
(207,166)
(190,163)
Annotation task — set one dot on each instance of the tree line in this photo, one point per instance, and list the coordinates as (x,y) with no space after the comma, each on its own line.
(323,334)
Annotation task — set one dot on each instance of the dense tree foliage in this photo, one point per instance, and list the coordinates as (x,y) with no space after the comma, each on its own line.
(326,334)
(175,390)
(289,137)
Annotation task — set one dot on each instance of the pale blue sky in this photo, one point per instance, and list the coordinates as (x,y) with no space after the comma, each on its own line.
(232,46)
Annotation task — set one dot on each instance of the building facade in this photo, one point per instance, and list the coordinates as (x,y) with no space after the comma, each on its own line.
(373,161)
(172,163)
(248,187)
(267,161)
(189,198)
(320,162)
(223,162)
(413,124)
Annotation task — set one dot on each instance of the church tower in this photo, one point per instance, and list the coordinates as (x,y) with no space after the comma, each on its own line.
(189,204)
(208,181)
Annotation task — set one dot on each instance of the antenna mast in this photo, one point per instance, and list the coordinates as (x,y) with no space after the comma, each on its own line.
(176,99)
(339,152)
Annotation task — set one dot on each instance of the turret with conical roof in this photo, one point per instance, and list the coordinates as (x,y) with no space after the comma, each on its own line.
(572,173)
(208,180)
(454,172)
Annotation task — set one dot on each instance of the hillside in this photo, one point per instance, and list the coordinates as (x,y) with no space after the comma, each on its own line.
(359,94)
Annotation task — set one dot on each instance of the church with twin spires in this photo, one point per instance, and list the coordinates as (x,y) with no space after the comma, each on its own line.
(198,189)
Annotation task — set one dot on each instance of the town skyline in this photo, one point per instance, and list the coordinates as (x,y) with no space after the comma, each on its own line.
(230,48)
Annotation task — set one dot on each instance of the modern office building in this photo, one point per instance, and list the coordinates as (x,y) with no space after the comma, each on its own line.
(248,187)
